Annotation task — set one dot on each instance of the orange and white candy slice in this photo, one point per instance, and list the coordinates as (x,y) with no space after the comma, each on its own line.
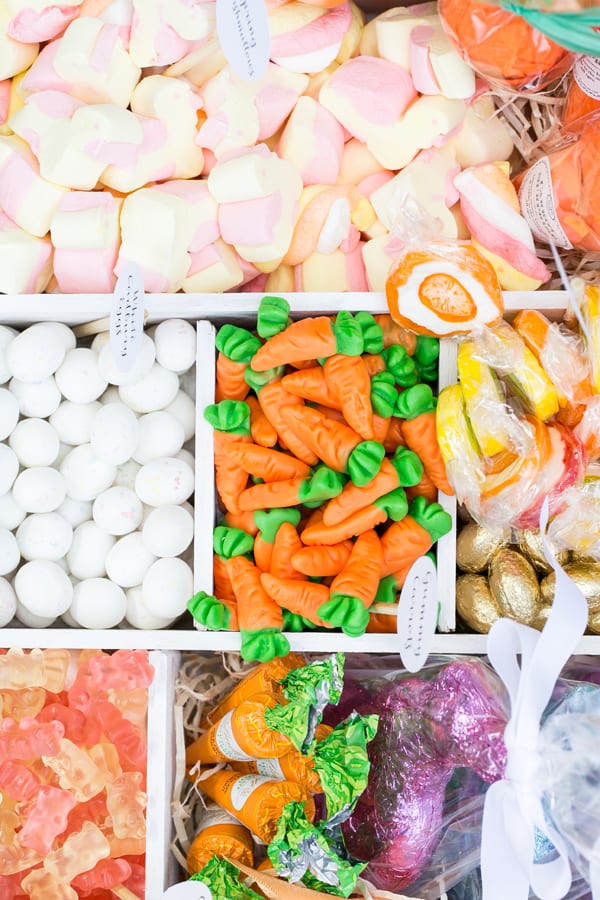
(444,289)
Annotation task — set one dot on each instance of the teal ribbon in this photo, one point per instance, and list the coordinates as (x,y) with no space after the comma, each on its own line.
(575,31)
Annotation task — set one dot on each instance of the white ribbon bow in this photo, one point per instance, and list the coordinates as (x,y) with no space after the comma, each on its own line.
(513,807)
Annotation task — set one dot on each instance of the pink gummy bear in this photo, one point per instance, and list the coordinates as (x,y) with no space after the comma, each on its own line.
(17,780)
(76,770)
(29,739)
(126,803)
(106,874)
(16,858)
(79,853)
(78,727)
(129,740)
(23,703)
(123,670)
(93,810)
(42,885)
(47,818)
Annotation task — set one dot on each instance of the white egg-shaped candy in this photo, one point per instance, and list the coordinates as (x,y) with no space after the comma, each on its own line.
(165,480)
(68,619)
(115,433)
(187,458)
(85,475)
(98,603)
(11,514)
(63,450)
(9,467)
(36,400)
(36,353)
(168,530)
(79,378)
(126,474)
(129,560)
(144,360)
(30,620)
(138,616)
(43,588)
(73,421)
(89,549)
(6,336)
(64,333)
(187,383)
(159,434)
(35,442)
(184,409)
(167,587)
(9,412)
(44,536)
(8,602)
(117,511)
(101,339)
(39,489)
(75,511)
(10,556)
(110,395)
(175,341)
(155,391)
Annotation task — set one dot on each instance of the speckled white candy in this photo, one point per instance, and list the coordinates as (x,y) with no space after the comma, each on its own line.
(9,552)
(167,587)
(144,361)
(184,409)
(37,400)
(62,333)
(39,489)
(89,549)
(9,412)
(9,467)
(115,433)
(35,442)
(11,514)
(85,475)
(36,353)
(159,434)
(138,616)
(6,336)
(43,588)
(110,395)
(75,511)
(32,621)
(44,536)
(168,530)
(8,602)
(129,560)
(79,378)
(117,511)
(126,474)
(73,421)
(155,391)
(175,341)
(164,481)
(98,603)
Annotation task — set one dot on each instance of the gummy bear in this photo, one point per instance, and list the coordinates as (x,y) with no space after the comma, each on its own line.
(137,880)
(46,819)
(132,705)
(106,874)
(19,669)
(93,810)
(106,757)
(17,780)
(56,666)
(19,704)
(79,853)
(42,885)
(76,771)
(125,846)
(78,727)
(123,670)
(10,820)
(28,739)
(129,740)
(16,858)
(126,804)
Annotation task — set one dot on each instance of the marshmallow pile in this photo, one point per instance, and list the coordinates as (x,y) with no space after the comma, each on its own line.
(96,466)
(128,138)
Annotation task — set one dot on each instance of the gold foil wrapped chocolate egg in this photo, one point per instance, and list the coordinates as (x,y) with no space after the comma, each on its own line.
(530,544)
(587,578)
(475,604)
(475,547)
(541,617)
(594,623)
(514,585)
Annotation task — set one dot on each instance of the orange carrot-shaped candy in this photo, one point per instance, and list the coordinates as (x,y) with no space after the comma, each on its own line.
(261,429)
(348,378)
(425,488)
(231,421)
(394,437)
(318,562)
(353,590)
(260,618)
(304,598)
(310,384)
(311,338)
(243,520)
(408,539)
(396,334)
(231,384)
(393,506)
(381,426)
(322,484)
(262,462)
(222,582)
(287,543)
(236,348)
(417,407)
(274,400)
(269,522)
(374,362)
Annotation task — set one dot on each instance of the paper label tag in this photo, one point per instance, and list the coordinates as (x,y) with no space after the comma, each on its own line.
(586,72)
(538,207)
(270,767)
(417,613)
(127,317)
(243,30)
(245,786)
(214,817)
(188,890)
(226,742)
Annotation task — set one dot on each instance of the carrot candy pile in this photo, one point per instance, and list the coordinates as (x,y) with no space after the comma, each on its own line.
(312,338)
(417,408)
(353,590)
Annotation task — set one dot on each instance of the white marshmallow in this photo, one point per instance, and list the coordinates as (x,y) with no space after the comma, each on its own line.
(162,33)
(26,197)
(25,260)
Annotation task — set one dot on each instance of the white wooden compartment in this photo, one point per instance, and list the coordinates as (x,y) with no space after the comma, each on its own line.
(209,311)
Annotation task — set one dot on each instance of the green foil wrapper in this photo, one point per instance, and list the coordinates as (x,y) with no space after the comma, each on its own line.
(223,881)
(343,764)
(301,851)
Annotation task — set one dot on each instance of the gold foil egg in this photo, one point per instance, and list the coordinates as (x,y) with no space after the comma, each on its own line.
(530,544)
(541,617)
(475,547)
(586,576)
(514,585)
(475,604)
(594,623)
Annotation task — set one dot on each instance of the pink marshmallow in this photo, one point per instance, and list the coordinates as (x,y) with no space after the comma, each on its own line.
(263,213)
(313,141)
(337,271)
(85,234)
(164,31)
(4,100)
(31,26)
(308,46)
(25,260)
(28,199)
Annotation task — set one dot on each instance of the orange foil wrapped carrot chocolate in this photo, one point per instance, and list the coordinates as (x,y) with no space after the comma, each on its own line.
(220,835)
(294,766)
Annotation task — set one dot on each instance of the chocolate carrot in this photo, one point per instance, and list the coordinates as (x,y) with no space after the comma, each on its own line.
(347,377)
(301,597)
(259,616)
(269,522)
(416,406)
(270,465)
(318,562)
(261,429)
(353,590)
(391,506)
(406,540)
(310,384)
(321,485)
(231,422)
(311,338)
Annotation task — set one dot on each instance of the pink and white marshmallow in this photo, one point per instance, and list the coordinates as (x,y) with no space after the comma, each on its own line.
(25,260)
(85,234)
(216,268)
(392,30)
(33,21)
(313,142)
(15,56)
(307,38)
(482,137)
(163,31)
(435,64)
(27,198)
(337,271)
(330,218)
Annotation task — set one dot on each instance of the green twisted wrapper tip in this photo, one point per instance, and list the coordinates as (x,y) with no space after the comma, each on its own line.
(431,517)
(408,466)
(257,380)
(372,332)
(269,521)
(209,611)
(348,334)
(343,765)
(395,504)
(415,402)
(263,645)
(228,542)
(346,612)
(322,485)
(365,462)
(223,880)
(237,344)
(301,851)
(383,394)
(231,416)
(400,364)
(273,316)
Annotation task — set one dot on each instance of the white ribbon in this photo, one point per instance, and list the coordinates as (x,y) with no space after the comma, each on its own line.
(513,807)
